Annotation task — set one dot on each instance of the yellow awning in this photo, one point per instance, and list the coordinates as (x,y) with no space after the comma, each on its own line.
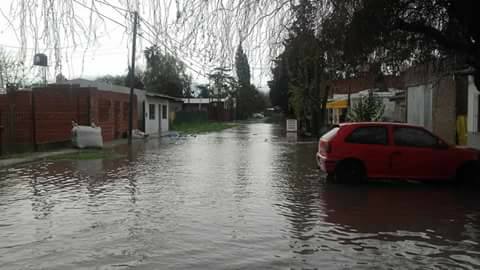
(337,104)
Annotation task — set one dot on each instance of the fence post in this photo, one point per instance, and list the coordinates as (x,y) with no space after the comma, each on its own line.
(34,122)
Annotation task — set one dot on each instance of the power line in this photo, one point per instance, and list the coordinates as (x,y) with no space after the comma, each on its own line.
(153,30)
(114,6)
(199,65)
(153,43)
(99,13)
(173,53)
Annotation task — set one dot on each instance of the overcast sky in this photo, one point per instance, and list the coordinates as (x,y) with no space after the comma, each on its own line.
(110,54)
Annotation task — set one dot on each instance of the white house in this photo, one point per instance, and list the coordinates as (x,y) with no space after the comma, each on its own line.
(158,112)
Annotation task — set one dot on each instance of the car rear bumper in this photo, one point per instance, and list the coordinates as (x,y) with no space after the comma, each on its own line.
(325,164)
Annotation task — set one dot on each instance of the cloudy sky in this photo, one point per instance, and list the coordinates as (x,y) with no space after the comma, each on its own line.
(107,50)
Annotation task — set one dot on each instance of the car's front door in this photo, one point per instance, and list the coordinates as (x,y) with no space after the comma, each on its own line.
(370,144)
(414,153)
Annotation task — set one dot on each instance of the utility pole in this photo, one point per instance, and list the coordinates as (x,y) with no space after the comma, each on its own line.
(132,79)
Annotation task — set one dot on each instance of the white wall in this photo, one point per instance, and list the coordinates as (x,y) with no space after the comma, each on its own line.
(472,117)
(152,126)
(419,104)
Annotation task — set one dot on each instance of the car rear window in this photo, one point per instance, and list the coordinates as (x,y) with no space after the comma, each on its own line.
(369,135)
(329,135)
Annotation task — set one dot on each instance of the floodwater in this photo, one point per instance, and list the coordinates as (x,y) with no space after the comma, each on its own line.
(245,198)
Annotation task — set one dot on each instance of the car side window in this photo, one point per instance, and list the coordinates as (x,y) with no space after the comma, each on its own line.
(369,135)
(413,137)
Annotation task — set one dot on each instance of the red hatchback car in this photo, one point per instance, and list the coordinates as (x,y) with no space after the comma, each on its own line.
(357,151)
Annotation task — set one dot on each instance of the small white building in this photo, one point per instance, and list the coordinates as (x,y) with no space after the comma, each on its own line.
(158,112)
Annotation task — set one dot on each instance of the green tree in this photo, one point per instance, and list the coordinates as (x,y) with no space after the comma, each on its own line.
(204,91)
(366,109)
(249,99)
(402,32)
(222,84)
(124,80)
(113,79)
(303,61)
(242,66)
(278,93)
(166,74)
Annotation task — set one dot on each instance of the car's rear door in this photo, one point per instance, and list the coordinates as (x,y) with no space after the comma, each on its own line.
(370,144)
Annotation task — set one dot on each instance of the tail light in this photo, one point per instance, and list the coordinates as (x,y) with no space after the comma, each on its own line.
(325,147)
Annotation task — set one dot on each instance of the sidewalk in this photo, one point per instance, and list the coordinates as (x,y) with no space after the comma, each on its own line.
(30,157)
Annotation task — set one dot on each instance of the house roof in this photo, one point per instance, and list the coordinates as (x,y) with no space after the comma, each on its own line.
(107,87)
(156,95)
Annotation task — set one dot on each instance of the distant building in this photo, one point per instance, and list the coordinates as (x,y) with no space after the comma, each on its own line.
(217,109)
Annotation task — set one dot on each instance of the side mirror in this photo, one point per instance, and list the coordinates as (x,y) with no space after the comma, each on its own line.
(442,145)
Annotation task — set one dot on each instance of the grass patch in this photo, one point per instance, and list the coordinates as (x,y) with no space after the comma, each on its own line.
(202,127)
(88,154)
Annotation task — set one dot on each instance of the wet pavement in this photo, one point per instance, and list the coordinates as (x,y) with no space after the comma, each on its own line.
(245,198)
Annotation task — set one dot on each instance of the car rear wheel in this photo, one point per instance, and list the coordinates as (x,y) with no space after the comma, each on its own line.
(350,172)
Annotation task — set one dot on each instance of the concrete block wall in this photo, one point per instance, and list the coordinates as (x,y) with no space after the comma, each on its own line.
(444,92)
(444,117)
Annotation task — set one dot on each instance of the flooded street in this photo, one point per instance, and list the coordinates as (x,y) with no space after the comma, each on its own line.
(244,198)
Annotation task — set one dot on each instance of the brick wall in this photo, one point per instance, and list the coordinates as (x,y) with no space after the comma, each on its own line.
(55,107)
(16,119)
(110,112)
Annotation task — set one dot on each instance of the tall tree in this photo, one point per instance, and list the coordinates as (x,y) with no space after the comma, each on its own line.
(166,74)
(247,95)
(279,84)
(222,84)
(242,66)
(303,60)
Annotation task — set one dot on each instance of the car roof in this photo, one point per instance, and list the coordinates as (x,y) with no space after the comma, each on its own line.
(379,124)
